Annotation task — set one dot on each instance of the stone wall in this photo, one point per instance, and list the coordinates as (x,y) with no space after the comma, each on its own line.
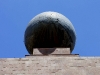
(50,65)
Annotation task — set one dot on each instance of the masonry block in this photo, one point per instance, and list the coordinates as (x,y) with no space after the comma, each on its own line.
(50,65)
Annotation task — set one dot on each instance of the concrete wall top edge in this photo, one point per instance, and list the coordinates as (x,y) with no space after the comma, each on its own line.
(47,57)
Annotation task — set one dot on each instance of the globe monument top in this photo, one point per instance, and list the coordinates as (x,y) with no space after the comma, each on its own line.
(48,31)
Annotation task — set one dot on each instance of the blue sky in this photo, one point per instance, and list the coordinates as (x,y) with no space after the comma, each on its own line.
(16,14)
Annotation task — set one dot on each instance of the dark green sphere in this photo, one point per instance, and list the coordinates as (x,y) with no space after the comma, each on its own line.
(49,30)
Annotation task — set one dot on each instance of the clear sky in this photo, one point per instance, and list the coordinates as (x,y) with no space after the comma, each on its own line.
(16,14)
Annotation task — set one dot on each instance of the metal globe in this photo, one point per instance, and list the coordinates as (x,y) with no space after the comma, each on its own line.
(49,30)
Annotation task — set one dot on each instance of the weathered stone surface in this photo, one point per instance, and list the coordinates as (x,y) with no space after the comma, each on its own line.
(57,50)
(50,66)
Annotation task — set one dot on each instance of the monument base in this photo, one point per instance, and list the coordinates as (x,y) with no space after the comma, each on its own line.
(57,52)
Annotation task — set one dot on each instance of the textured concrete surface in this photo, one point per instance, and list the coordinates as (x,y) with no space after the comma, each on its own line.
(56,51)
(50,65)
